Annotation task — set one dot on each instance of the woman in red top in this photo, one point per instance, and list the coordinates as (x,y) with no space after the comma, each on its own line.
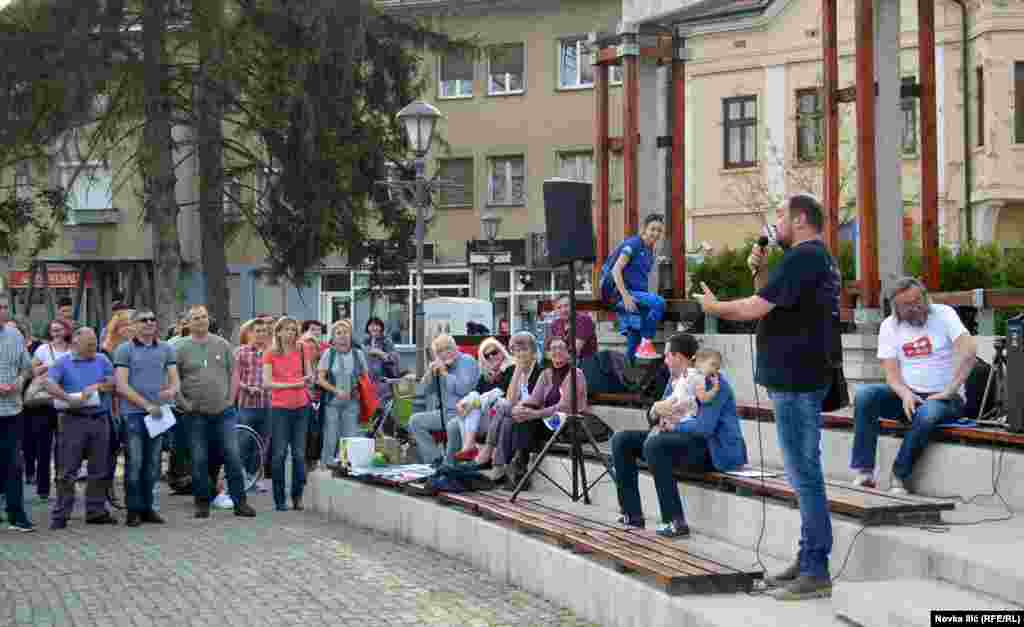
(286,375)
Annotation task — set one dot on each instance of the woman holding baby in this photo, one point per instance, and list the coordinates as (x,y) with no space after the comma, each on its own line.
(496,368)
(707,439)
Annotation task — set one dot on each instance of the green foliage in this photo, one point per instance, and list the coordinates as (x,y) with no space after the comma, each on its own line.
(726,273)
(43,216)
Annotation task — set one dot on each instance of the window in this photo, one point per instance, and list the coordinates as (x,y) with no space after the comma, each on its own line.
(507,70)
(507,181)
(578,166)
(574,69)
(740,130)
(615,75)
(909,107)
(979,74)
(456,75)
(91,190)
(808,124)
(1018,101)
(232,198)
(23,181)
(459,172)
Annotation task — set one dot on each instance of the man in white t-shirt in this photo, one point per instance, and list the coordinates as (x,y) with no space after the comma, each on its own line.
(927,354)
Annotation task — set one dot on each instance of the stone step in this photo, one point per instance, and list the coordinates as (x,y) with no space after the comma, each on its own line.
(974,555)
(905,602)
(588,587)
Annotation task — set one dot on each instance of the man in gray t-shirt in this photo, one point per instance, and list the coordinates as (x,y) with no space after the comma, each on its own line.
(208,388)
(147,378)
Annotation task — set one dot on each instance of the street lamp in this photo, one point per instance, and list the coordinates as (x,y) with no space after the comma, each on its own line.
(491,222)
(419,119)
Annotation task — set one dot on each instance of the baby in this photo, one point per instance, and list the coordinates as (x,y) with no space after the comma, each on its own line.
(691,389)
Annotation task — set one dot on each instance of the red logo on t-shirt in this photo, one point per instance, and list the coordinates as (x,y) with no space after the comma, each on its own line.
(921,347)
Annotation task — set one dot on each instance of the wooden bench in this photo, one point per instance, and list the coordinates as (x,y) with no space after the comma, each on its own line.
(868,505)
(968,435)
(676,566)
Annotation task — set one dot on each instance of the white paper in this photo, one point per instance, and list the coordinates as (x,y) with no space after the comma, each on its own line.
(156,426)
(92,401)
(755,474)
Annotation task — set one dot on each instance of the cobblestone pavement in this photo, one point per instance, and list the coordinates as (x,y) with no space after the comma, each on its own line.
(281,568)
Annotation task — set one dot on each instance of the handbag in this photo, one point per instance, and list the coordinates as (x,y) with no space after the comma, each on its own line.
(369,403)
(37,395)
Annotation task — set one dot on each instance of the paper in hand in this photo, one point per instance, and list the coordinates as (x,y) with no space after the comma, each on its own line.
(156,426)
(92,401)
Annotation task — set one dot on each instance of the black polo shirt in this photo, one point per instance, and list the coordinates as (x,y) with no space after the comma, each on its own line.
(797,340)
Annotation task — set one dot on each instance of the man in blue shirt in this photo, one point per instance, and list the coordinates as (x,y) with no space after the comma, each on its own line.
(78,379)
(624,281)
(797,349)
(712,441)
(147,377)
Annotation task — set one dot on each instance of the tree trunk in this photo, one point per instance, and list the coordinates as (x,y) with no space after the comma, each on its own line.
(158,163)
(210,111)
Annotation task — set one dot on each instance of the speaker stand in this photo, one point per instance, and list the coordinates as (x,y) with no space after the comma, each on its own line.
(574,421)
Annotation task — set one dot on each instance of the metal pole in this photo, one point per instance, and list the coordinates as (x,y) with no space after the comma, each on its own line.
(421,208)
(490,279)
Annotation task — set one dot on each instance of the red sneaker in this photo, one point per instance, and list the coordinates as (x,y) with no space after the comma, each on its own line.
(646,350)
(467,455)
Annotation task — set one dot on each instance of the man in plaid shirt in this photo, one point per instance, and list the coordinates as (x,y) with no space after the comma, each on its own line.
(253,398)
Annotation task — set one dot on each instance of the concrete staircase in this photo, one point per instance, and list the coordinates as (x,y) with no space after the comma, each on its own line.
(906,602)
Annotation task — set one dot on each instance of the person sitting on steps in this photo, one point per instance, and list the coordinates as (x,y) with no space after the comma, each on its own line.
(624,282)
(927,355)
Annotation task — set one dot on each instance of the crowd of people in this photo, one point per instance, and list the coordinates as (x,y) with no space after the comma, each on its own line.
(85,397)
(78,396)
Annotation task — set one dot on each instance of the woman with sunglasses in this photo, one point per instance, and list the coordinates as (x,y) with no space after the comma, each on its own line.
(552,395)
(495,374)
(528,368)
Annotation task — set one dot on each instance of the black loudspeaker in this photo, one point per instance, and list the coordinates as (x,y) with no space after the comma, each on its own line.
(1014,372)
(570,223)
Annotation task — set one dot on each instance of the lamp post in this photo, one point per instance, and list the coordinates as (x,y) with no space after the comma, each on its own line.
(491,222)
(419,119)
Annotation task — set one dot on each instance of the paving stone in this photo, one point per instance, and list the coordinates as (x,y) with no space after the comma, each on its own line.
(281,568)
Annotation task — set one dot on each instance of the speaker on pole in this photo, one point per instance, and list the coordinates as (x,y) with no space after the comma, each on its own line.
(570,221)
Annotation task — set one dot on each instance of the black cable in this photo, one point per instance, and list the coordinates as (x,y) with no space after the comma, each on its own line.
(760,452)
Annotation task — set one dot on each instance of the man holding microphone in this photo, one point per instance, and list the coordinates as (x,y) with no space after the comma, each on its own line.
(798,305)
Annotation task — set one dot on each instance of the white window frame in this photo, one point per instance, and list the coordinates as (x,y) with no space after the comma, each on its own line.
(508,91)
(615,74)
(578,84)
(492,162)
(577,156)
(463,89)
(67,169)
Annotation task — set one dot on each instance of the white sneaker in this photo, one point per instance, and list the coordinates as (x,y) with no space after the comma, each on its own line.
(898,487)
(223,501)
(864,480)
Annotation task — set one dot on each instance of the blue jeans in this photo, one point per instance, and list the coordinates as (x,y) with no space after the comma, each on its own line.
(879,401)
(642,324)
(663,453)
(259,419)
(10,467)
(341,420)
(142,466)
(420,427)
(288,427)
(218,431)
(798,422)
